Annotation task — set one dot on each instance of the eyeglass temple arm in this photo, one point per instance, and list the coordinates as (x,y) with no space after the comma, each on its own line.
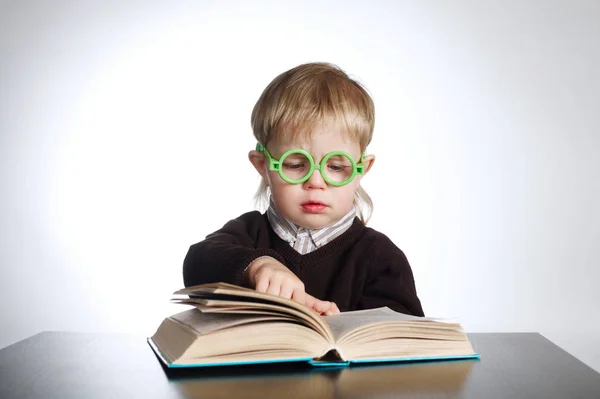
(273,163)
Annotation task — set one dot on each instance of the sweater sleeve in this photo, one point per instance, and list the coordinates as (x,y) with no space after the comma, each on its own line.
(223,255)
(390,280)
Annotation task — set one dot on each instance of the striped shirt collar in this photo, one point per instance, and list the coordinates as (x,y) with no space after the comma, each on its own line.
(307,240)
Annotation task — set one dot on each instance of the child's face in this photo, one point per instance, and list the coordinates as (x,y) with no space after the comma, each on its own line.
(314,203)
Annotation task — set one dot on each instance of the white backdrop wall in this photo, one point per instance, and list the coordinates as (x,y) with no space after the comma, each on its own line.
(125,128)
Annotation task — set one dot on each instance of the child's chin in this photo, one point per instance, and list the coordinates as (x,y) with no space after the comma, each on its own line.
(313,221)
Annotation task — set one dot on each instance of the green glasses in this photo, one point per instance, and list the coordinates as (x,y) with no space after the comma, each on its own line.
(296,166)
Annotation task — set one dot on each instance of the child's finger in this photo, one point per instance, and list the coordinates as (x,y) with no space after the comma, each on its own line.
(274,287)
(332,310)
(299,296)
(262,284)
(287,291)
(309,301)
(318,305)
(322,306)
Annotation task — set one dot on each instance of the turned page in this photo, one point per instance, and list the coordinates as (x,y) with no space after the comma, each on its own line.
(264,310)
(206,323)
(234,294)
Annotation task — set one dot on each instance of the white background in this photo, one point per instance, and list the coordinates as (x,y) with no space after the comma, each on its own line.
(125,128)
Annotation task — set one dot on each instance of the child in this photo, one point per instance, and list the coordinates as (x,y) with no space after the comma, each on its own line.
(313,124)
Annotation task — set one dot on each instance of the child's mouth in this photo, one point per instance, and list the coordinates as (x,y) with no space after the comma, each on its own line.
(314,207)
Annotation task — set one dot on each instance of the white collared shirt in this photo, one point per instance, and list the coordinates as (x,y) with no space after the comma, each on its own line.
(307,240)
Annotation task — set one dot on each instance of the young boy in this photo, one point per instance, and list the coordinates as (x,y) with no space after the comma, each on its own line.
(313,124)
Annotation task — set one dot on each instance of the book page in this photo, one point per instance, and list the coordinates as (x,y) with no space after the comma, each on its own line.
(256,308)
(193,337)
(231,292)
(206,323)
(262,339)
(346,322)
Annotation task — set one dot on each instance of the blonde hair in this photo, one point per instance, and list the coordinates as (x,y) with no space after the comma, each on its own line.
(308,95)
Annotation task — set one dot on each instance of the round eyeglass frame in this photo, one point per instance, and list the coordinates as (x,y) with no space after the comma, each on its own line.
(275,165)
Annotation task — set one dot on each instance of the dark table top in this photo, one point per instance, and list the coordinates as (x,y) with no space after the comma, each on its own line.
(78,365)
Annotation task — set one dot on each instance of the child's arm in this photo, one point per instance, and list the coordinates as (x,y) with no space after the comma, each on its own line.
(225,254)
(390,280)
(239,254)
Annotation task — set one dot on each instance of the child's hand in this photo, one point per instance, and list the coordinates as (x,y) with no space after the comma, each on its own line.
(270,276)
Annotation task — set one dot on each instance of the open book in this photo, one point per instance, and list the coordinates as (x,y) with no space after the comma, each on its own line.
(231,325)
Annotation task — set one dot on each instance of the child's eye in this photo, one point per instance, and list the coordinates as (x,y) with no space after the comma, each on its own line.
(293,165)
(337,168)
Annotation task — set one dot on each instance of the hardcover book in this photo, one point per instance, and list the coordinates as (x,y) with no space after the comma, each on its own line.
(231,325)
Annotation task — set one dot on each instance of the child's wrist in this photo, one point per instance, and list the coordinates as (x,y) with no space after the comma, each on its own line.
(254,260)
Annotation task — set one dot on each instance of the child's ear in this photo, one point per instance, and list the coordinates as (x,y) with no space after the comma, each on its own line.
(257,159)
(368,161)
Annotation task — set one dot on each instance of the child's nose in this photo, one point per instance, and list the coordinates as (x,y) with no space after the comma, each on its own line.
(315,180)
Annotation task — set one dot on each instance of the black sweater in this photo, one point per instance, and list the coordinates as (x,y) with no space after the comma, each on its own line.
(361,269)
